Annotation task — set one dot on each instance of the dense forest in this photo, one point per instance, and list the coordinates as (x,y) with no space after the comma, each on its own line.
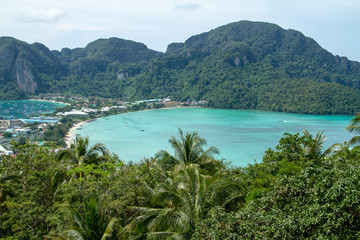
(247,65)
(298,191)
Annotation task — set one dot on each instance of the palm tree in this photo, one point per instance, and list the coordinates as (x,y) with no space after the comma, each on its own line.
(189,150)
(180,203)
(338,147)
(314,145)
(91,225)
(355,128)
(80,152)
(148,163)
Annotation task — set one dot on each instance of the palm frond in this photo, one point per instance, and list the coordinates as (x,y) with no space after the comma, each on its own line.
(8,177)
(73,235)
(166,235)
(109,229)
(355,140)
(354,124)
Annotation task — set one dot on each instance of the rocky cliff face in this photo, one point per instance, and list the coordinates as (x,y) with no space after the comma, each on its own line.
(25,77)
(26,66)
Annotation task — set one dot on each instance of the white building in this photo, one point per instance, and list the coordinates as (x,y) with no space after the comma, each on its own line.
(4,123)
(15,123)
(3,151)
(73,112)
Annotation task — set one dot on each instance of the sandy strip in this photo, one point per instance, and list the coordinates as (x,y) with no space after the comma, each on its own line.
(44,100)
(69,135)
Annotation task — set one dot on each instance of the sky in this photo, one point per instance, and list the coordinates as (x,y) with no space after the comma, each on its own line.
(334,24)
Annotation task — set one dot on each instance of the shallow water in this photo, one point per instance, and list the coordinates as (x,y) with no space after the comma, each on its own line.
(241,135)
(23,108)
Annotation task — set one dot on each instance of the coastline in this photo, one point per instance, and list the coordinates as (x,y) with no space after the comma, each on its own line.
(53,101)
(69,135)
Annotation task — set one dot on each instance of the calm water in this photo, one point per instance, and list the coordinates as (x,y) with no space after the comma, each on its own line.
(241,135)
(23,108)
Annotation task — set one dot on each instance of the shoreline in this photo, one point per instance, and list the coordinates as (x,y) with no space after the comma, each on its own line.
(44,100)
(69,135)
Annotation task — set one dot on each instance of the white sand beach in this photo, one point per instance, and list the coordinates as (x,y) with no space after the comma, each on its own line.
(69,135)
(44,100)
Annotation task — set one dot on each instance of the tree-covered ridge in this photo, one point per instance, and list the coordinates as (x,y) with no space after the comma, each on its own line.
(112,49)
(299,191)
(256,66)
(250,65)
(26,68)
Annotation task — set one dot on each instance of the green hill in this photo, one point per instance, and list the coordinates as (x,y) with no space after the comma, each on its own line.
(256,66)
(26,68)
(251,65)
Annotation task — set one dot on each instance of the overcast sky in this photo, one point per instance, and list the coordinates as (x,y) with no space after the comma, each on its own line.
(334,24)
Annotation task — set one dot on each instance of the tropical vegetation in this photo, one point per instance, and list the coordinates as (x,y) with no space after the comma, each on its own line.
(298,191)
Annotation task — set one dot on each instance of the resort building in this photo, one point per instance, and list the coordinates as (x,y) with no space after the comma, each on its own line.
(4,124)
(15,123)
(4,151)
(73,112)
(26,131)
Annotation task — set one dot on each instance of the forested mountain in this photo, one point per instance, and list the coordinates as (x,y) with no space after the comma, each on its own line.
(104,52)
(251,65)
(26,68)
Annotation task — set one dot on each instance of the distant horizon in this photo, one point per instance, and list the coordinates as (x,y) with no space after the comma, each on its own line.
(73,24)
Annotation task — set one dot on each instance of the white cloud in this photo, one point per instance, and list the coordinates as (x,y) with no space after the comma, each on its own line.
(42,16)
(189,6)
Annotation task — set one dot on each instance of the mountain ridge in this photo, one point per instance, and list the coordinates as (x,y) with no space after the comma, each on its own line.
(239,65)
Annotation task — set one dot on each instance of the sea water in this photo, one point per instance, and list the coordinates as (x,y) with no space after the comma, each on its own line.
(242,136)
(24,108)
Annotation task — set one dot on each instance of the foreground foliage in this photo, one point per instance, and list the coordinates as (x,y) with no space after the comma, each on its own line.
(299,191)
(319,202)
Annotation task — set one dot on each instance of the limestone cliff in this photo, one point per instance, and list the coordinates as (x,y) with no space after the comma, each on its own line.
(26,68)
(25,77)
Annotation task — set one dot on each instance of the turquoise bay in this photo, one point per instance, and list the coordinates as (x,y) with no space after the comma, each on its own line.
(241,135)
(24,108)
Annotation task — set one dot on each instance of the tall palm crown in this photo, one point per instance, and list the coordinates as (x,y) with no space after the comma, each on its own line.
(190,189)
(181,202)
(89,225)
(189,150)
(80,152)
(313,145)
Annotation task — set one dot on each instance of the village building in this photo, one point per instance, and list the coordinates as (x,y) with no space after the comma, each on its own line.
(4,124)
(4,151)
(26,131)
(15,123)
(73,112)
